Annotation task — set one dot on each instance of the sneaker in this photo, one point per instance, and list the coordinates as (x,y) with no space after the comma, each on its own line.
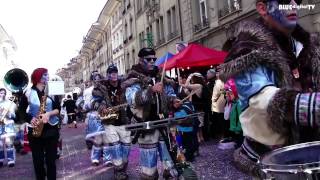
(170,174)
(108,163)
(95,162)
(11,164)
(120,176)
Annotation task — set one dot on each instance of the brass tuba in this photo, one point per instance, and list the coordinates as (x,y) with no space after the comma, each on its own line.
(15,80)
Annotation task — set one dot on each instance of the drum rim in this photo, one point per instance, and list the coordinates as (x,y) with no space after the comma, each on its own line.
(291,167)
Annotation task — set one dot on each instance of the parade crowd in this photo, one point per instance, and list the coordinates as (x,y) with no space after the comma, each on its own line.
(263,97)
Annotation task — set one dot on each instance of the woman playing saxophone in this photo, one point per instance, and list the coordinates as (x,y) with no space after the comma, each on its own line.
(39,110)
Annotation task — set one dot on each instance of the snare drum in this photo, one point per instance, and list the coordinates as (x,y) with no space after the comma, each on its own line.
(296,162)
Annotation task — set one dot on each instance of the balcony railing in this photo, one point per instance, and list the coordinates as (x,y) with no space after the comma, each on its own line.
(203,24)
(172,34)
(160,42)
(228,8)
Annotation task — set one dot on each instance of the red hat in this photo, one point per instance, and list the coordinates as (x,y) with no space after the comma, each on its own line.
(37,74)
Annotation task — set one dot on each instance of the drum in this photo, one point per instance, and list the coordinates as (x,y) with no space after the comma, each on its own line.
(296,162)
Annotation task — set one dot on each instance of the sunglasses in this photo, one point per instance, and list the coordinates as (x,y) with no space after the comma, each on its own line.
(288,1)
(150,59)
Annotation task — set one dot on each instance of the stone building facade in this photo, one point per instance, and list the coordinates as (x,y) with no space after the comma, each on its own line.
(163,23)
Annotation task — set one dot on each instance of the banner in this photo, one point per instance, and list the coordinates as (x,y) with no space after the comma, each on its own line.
(55,88)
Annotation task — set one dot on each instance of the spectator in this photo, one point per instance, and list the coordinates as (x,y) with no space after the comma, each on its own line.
(217,106)
(70,105)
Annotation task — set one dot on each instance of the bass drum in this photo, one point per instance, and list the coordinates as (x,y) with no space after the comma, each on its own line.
(296,162)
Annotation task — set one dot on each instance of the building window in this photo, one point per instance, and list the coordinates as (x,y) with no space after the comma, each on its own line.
(149,37)
(125,31)
(201,18)
(128,59)
(169,21)
(203,11)
(141,39)
(133,57)
(158,31)
(173,32)
(174,22)
(228,6)
(161,29)
(131,27)
(139,6)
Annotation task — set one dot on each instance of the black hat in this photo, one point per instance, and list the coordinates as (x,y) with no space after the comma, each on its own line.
(112,68)
(94,74)
(146,52)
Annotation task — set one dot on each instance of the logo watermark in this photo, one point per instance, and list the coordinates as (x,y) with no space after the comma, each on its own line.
(301,6)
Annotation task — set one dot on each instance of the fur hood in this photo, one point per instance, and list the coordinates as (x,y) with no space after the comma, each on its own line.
(138,75)
(254,44)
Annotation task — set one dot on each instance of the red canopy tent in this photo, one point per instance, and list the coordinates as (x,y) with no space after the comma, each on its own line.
(195,55)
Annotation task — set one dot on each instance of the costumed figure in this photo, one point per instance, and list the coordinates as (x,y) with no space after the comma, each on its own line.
(116,140)
(95,131)
(7,130)
(276,67)
(150,98)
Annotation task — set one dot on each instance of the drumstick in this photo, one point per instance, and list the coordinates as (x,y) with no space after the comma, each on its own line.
(178,73)
(192,93)
(163,71)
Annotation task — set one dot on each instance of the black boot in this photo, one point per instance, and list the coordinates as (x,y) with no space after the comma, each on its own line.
(155,176)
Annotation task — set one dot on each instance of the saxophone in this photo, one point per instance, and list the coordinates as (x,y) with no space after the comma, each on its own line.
(112,113)
(37,130)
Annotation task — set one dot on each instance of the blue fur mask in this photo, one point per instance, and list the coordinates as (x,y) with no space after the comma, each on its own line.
(280,16)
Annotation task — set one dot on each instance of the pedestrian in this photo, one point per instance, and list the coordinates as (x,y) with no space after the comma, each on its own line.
(274,63)
(218,103)
(70,106)
(36,107)
(185,128)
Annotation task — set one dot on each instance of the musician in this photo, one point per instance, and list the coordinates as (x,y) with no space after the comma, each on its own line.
(119,139)
(95,131)
(44,148)
(150,98)
(7,131)
(275,64)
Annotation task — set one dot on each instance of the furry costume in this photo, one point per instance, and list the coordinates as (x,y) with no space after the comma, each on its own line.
(261,60)
(116,137)
(147,106)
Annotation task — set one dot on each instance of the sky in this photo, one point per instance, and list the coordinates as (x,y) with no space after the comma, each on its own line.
(48,33)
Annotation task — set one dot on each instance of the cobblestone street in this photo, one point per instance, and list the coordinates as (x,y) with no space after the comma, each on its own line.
(74,162)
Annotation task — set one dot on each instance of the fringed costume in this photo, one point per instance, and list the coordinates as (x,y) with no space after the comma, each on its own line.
(278,80)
